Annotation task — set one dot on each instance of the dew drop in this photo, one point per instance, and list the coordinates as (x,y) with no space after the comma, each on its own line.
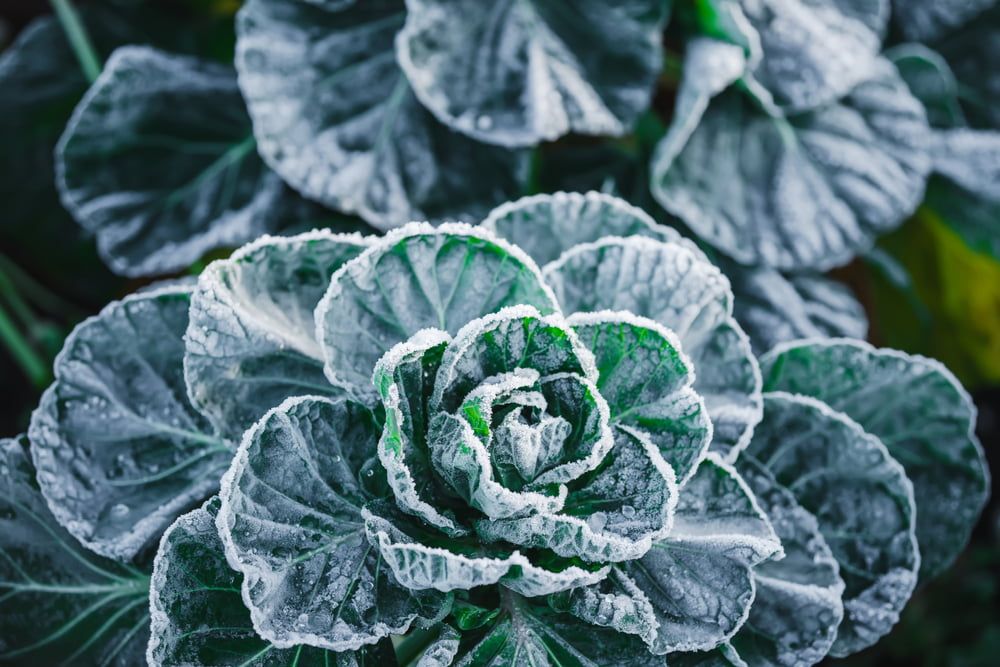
(119,510)
(484,122)
(628,511)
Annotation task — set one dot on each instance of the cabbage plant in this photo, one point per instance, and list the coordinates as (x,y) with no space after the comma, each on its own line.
(544,439)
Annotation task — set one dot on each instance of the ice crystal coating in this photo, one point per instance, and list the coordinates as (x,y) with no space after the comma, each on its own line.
(120,450)
(335,116)
(515,73)
(806,191)
(139,167)
(863,503)
(198,615)
(917,408)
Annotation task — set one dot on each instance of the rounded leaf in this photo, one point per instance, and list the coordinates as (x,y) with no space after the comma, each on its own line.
(677,287)
(139,167)
(862,501)
(291,523)
(804,192)
(415,278)
(917,408)
(517,73)
(119,448)
(335,116)
(251,342)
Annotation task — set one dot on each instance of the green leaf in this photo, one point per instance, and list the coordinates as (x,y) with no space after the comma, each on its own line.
(414,278)
(674,285)
(646,380)
(59,603)
(774,308)
(334,115)
(251,342)
(198,616)
(422,559)
(529,635)
(975,219)
(291,523)
(798,607)
(610,515)
(862,500)
(917,408)
(930,79)
(804,192)
(808,53)
(698,579)
(545,226)
(120,450)
(517,73)
(139,167)
(929,20)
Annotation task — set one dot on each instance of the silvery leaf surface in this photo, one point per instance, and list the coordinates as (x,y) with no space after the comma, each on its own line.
(139,166)
(799,606)
(120,450)
(291,523)
(415,278)
(334,115)
(917,408)
(517,73)
(806,191)
(59,602)
(251,340)
(198,615)
(862,501)
(674,285)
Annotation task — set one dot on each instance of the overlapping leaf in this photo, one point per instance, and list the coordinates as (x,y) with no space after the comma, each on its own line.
(120,450)
(334,115)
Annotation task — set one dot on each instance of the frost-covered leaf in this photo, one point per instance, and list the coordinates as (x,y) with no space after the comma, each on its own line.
(414,278)
(698,579)
(59,603)
(862,500)
(251,342)
(545,226)
(798,607)
(198,615)
(674,285)
(917,408)
(291,524)
(930,79)
(646,380)
(928,20)
(774,308)
(119,448)
(335,116)
(804,192)
(517,73)
(970,159)
(442,650)
(532,635)
(804,53)
(423,559)
(610,515)
(139,166)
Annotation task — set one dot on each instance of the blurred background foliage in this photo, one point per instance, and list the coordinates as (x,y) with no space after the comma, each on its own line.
(931,287)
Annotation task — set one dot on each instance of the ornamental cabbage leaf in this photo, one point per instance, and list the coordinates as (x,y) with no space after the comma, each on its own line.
(492,462)
(334,115)
(140,168)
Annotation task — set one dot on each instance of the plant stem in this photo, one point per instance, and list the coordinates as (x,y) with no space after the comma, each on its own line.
(33,365)
(76,33)
(38,294)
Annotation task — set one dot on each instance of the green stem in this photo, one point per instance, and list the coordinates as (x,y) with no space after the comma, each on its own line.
(33,365)
(38,294)
(414,644)
(76,33)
